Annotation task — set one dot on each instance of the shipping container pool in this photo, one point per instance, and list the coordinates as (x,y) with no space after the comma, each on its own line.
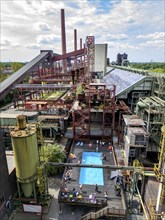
(90,176)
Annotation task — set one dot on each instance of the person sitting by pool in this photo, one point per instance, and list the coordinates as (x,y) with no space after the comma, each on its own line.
(104,157)
(102,144)
(68,176)
(118,189)
(110,148)
(80,196)
(69,172)
(74,192)
(64,193)
(80,187)
(72,156)
(106,195)
(66,190)
(92,197)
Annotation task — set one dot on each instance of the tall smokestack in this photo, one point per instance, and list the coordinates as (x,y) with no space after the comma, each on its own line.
(81,48)
(63,35)
(75,47)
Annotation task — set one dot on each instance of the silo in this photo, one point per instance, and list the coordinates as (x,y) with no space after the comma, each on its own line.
(25,147)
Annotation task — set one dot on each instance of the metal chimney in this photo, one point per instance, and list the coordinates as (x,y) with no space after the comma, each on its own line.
(63,36)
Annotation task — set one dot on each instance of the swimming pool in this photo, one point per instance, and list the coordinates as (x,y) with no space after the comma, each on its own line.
(91,176)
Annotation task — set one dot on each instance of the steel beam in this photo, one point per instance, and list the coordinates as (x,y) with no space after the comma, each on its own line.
(111,167)
(69,55)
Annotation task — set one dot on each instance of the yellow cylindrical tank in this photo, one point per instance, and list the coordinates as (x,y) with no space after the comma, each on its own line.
(25,147)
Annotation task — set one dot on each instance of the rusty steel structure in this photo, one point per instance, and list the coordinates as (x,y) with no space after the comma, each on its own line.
(89,58)
(109,108)
(66,72)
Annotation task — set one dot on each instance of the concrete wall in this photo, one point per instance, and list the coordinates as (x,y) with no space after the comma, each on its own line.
(100,58)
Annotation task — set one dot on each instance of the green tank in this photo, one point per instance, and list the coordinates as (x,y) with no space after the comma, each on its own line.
(25,147)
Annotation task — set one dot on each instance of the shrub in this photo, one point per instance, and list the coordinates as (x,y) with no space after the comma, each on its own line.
(53,153)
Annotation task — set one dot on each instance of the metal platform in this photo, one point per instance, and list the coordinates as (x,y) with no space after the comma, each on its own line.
(109,184)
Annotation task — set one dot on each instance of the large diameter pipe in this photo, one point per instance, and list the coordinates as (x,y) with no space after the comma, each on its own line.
(111,167)
(21,121)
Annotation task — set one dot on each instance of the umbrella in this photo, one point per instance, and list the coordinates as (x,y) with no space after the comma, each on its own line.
(115,173)
(117,176)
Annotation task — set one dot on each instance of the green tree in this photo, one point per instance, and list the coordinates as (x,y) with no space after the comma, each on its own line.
(151,67)
(53,153)
(16,66)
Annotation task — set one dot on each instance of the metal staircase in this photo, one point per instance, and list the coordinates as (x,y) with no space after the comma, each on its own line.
(107,211)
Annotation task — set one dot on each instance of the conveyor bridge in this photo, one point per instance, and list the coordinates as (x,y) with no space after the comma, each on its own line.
(36,87)
(19,75)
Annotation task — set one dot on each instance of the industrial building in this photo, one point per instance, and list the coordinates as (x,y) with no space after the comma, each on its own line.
(94,106)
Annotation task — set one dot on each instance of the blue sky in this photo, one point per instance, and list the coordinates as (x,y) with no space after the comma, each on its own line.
(135,27)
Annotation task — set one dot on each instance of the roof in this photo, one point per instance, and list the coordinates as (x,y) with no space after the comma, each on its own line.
(109,69)
(133,120)
(124,80)
(13,113)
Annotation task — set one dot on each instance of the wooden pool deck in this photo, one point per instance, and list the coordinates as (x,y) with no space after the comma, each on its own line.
(113,201)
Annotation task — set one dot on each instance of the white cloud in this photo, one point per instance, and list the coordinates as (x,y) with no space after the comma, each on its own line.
(154,43)
(41,26)
(33,46)
(122,46)
(153,40)
(156,35)
(47,39)
(42,8)
(9,44)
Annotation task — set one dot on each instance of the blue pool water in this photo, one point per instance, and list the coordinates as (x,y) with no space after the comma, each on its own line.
(91,176)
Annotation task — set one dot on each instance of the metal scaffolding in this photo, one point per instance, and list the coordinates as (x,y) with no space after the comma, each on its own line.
(109,107)
(159,87)
(151,110)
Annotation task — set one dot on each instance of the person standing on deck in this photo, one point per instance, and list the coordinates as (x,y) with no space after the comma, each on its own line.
(96,188)
(110,148)
(80,188)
